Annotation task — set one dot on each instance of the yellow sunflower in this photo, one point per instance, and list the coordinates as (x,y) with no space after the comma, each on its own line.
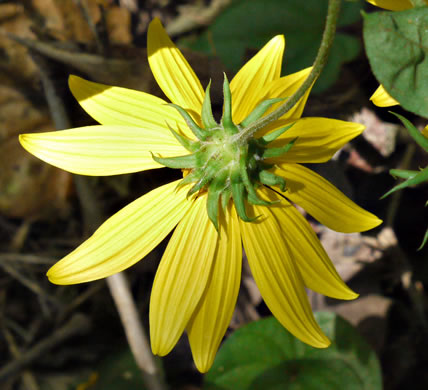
(235,188)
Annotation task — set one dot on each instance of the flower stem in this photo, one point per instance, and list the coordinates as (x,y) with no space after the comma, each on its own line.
(135,333)
(318,65)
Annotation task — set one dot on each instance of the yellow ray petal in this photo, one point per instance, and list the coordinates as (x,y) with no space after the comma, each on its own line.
(318,139)
(324,201)
(182,277)
(102,150)
(214,312)
(171,70)
(249,84)
(425,132)
(124,238)
(125,107)
(287,86)
(392,5)
(278,279)
(381,98)
(309,256)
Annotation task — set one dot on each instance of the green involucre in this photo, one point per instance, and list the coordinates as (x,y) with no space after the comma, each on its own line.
(223,163)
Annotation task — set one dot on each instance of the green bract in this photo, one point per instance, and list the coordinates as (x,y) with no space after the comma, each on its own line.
(225,160)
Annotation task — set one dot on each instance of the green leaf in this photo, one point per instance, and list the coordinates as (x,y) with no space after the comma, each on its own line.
(250,24)
(421,177)
(397,47)
(414,132)
(424,241)
(403,173)
(263,355)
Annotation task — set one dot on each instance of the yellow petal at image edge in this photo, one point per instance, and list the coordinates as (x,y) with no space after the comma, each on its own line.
(324,201)
(125,107)
(392,5)
(215,309)
(249,83)
(278,279)
(182,277)
(124,238)
(103,150)
(381,98)
(318,139)
(172,71)
(316,268)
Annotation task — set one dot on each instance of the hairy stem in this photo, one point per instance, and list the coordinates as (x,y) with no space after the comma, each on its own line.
(318,65)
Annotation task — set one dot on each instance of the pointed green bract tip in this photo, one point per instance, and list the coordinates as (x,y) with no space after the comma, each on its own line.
(180,162)
(207,114)
(200,133)
(270,137)
(221,163)
(277,152)
(259,111)
(188,144)
(226,120)
(212,206)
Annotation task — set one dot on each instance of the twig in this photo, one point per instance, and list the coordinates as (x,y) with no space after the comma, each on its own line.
(135,333)
(31,285)
(27,377)
(192,17)
(317,67)
(94,65)
(117,283)
(396,196)
(78,324)
(412,286)
(56,107)
(80,299)
(20,235)
(92,215)
(84,9)
(27,259)
(61,120)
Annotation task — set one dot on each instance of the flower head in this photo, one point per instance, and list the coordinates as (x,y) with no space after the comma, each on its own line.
(237,187)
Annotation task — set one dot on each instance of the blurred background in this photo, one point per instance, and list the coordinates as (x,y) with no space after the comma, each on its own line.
(63,337)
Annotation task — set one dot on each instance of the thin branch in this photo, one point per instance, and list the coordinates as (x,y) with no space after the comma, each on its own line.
(396,196)
(84,9)
(26,259)
(119,289)
(78,324)
(317,67)
(30,284)
(135,333)
(28,379)
(193,16)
